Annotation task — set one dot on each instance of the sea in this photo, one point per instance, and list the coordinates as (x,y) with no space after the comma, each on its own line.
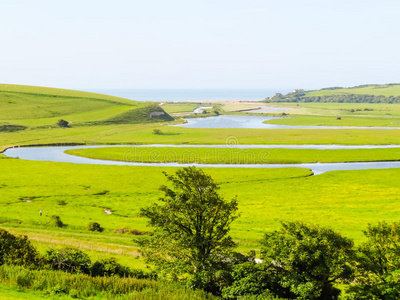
(191,94)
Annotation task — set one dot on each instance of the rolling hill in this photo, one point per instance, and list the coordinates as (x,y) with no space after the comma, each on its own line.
(370,93)
(40,106)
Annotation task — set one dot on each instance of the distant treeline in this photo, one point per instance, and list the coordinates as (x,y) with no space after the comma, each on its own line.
(342,98)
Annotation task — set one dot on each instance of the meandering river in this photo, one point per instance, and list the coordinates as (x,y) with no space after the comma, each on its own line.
(255,122)
(57,154)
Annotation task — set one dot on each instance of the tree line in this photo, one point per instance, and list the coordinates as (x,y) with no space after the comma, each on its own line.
(302,97)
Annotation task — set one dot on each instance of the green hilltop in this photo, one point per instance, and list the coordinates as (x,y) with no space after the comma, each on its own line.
(369,93)
(41,106)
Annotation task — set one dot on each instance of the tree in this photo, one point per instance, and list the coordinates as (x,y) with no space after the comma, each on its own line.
(310,259)
(378,264)
(260,281)
(191,228)
(17,250)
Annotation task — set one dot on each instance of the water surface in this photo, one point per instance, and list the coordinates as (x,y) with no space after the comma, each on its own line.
(255,122)
(57,154)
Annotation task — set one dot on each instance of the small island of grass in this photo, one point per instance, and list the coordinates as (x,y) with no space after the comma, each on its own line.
(209,155)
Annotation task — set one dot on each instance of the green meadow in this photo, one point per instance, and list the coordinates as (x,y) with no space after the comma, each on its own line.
(79,194)
(236,156)
(42,107)
(143,134)
(113,195)
(179,107)
(340,114)
(376,90)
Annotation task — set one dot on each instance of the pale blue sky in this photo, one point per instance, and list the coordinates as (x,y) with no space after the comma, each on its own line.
(199,44)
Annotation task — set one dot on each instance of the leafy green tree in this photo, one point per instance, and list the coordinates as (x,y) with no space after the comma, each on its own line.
(17,250)
(378,264)
(191,227)
(260,281)
(310,259)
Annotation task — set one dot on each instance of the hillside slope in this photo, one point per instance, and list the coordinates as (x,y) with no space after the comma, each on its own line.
(386,90)
(372,93)
(39,106)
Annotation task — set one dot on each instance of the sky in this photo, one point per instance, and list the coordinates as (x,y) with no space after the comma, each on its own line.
(220,44)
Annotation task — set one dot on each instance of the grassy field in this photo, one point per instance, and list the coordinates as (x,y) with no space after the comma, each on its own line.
(236,156)
(383,89)
(39,106)
(39,109)
(12,292)
(79,193)
(180,107)
(344,200)
(351,121)
(350,114)
(143,134)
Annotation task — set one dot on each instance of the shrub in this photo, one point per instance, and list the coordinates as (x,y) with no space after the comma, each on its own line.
(17,250)
(109,267)
(157,132)
(130,231)
(69,260)
(56,221)
(62,123)
(94,226)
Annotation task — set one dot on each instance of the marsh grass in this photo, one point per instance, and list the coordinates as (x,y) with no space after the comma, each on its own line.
(84,286)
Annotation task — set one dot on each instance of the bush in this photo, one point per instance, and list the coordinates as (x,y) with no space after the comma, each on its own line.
(69,260)
(17,250)
(94,226)
(62,123)
(109,267)
(130,231)
(157,132)
(56,221)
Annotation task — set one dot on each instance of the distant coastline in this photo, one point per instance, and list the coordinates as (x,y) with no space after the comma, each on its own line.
(191,94)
